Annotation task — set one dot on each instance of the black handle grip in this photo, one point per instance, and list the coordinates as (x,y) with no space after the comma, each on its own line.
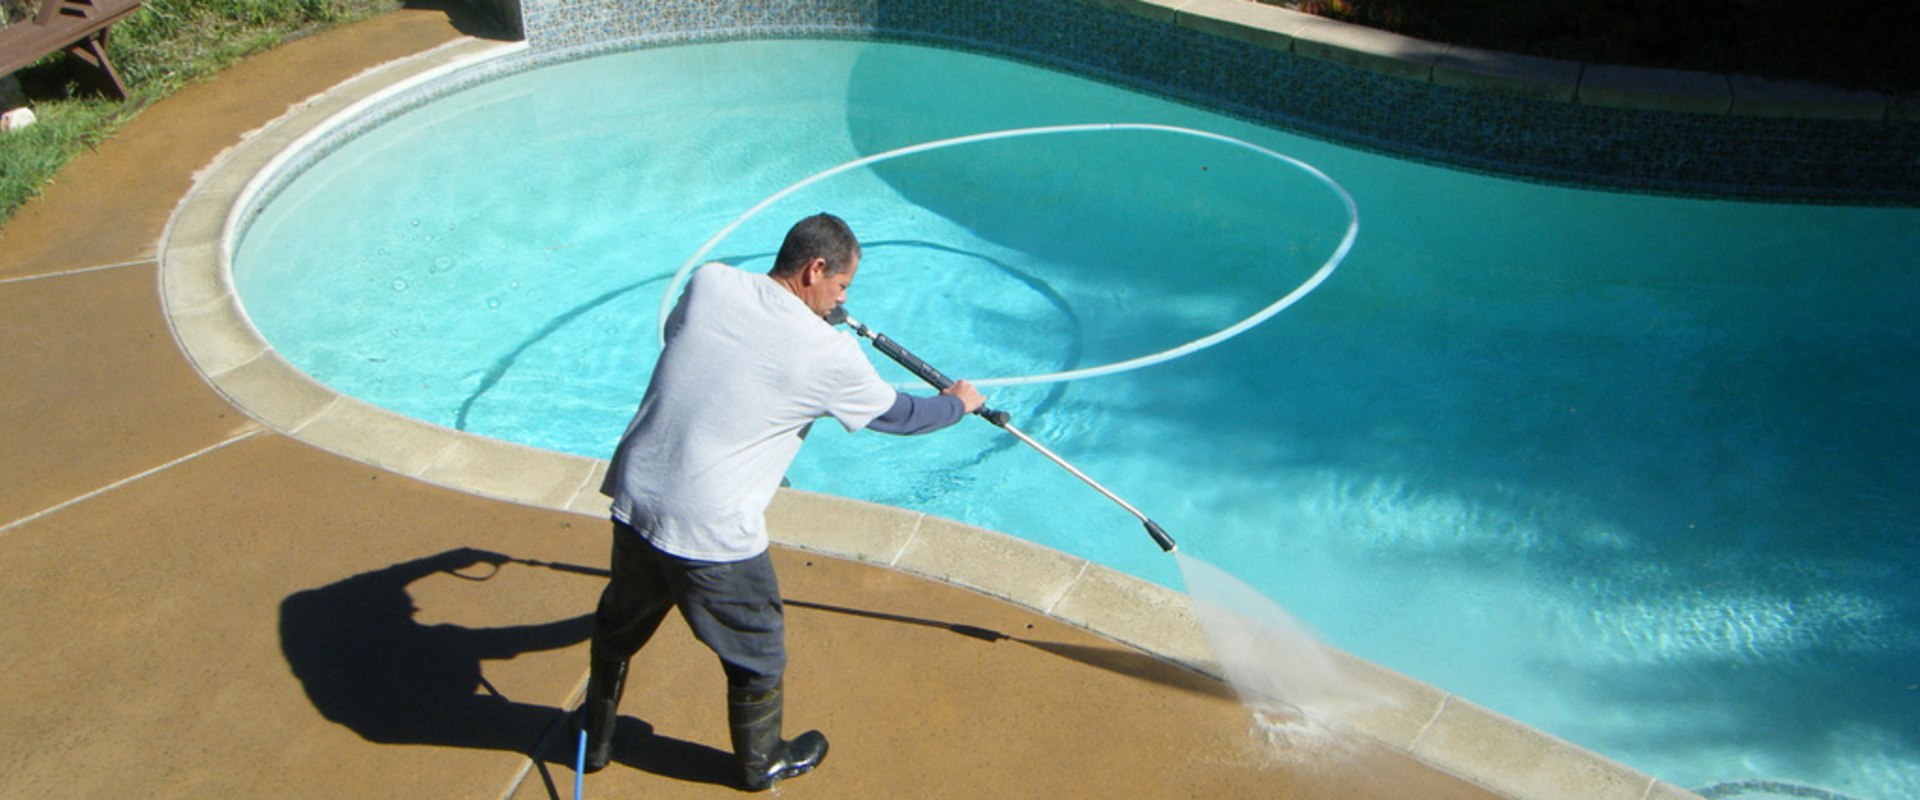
(927,373)
(911,362)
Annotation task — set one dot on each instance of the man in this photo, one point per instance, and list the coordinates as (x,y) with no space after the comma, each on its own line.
(749,364)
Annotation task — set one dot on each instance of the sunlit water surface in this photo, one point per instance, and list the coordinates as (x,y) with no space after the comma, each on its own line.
(1640,471)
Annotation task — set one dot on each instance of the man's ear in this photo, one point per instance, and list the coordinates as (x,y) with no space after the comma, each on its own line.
(813,272)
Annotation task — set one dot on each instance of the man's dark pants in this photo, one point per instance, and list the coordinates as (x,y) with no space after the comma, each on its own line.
(733,607)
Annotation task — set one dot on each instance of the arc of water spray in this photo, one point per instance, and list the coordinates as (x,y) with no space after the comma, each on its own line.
(1312,282)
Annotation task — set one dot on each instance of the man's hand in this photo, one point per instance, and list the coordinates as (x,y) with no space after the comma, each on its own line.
(970,397)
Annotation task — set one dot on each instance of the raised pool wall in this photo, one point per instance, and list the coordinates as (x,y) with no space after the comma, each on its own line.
(1603,126)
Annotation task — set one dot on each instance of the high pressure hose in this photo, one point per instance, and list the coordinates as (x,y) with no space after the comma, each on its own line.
(1312,282)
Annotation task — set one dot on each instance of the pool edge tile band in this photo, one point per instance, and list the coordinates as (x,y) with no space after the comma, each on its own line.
(1560,122)
(213,331)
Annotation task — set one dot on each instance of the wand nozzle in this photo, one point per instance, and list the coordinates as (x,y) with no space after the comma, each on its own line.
(838,315)
(1160,536)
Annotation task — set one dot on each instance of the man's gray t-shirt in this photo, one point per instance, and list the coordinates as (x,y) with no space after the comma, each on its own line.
(746,369)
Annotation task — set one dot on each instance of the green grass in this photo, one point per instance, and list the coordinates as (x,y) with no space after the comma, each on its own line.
(11,10)
(31,155)
(164,46)
(171,43)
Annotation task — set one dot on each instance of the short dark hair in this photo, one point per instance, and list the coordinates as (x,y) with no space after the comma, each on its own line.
(822,235)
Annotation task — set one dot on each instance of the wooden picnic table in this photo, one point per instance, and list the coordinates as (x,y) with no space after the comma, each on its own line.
(76,26)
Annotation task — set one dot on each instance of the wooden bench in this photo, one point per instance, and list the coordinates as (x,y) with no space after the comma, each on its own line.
(77,26)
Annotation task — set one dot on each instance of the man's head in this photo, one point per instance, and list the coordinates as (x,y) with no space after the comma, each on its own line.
(817,261)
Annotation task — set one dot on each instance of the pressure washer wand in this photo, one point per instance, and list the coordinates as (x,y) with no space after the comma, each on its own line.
(1002,419)
(594,572)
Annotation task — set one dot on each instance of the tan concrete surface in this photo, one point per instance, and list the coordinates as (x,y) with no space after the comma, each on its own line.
(95,389)
(199,606)
(244,625)
(925,691)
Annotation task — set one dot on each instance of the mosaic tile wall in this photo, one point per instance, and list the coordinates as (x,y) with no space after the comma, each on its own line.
(1715,155)
(1819,160)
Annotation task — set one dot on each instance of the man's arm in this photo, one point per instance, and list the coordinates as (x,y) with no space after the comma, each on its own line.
(911,415)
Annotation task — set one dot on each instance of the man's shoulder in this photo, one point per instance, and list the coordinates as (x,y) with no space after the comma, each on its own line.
(717,270)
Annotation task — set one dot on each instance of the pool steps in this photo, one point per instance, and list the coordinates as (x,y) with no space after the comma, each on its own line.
(209,325)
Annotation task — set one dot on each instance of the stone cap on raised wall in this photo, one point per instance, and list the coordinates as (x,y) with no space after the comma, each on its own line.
(1592,84)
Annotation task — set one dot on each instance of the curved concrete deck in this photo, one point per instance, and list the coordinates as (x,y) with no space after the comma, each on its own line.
(210,601)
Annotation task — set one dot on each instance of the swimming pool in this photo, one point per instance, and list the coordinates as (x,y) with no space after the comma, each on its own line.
(1633,470)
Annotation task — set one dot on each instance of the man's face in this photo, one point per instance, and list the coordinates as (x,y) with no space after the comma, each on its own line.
(820,291)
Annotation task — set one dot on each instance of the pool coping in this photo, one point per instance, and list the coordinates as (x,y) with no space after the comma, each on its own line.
(213,330)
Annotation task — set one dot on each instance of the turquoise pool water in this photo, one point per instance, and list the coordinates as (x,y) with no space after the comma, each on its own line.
(1638,471)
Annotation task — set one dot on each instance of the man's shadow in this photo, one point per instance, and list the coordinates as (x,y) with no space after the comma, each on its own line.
(367,664)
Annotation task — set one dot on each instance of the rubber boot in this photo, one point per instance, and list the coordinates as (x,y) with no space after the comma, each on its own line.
(604,687)
(765,758)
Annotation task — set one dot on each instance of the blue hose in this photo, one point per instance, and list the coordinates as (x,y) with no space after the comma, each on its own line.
(580,766)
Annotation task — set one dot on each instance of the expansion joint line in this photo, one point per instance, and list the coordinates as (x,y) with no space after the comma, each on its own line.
(127,480)
(564,723)
(80,271)
(912,535)
(1437,711)
(1054,604)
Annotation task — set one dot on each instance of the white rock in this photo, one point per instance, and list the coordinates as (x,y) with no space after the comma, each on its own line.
(16,119)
